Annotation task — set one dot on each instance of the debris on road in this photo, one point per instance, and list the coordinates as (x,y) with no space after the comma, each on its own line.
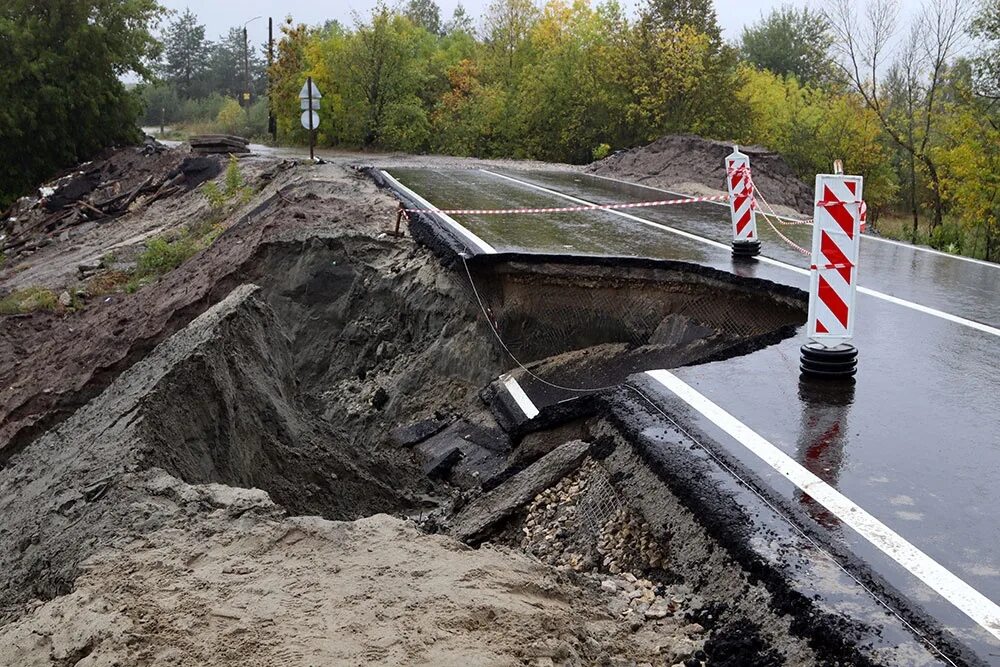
(218,144)
(100,191)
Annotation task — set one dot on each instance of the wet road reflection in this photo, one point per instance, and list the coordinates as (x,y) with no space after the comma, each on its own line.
(822,437)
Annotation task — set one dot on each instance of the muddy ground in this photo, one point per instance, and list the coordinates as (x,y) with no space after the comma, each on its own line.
(252,460)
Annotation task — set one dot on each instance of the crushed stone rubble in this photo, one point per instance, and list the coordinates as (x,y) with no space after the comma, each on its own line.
(624,555)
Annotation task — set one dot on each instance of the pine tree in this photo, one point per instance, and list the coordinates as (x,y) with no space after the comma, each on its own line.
(186,54)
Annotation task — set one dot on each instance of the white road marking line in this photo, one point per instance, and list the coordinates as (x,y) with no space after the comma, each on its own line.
(880,239)
(468,235)
(971,602)
(972,324)
(521,398)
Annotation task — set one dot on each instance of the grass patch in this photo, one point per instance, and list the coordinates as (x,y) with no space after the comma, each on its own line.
(108,282)
(28,300)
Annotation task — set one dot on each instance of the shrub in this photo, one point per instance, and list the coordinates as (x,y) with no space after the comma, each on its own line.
(162,256)
(947,236)
(601,152)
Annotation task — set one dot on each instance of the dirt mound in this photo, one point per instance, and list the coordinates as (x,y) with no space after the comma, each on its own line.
(689,163)
(258,591)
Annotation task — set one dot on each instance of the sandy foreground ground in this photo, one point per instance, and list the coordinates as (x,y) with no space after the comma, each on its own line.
(243,585)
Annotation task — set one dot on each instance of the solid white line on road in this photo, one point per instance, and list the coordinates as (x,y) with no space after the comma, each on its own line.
(521,398)
(972,324)
(881,239)
(480,244)
(971,602)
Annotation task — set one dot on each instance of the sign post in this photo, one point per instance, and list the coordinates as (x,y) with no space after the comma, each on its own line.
(742,205)
(833,278)
(309,98)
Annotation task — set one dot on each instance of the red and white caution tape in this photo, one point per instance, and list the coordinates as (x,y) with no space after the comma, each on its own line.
(566,209)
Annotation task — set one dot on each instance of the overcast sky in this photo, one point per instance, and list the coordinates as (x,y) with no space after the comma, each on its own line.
(218,17)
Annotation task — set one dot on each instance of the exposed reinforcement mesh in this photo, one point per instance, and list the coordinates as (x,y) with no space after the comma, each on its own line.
(599,504)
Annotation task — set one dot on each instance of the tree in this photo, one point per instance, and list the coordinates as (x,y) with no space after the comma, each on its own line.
(63,97)
(460,21)
(672,14)
(185,56)
(426,14)
(865,45)
(381,67)
(226,73)
(986,27)
(506,25)
(791,42)
(287,74)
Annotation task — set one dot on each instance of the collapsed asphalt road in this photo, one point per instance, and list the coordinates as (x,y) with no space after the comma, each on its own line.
(910,443)
(159,457)
(197,467)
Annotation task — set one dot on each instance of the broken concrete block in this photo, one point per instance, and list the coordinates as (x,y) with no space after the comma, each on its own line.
(481,515)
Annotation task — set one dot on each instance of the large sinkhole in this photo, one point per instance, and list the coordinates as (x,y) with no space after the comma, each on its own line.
(316,350)
(350,338)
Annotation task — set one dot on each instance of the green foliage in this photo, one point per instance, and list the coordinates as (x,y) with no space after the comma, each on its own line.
(60,82)
(162,256)
(811,127)
(232,119)
(699,15)
(424,14)
(601,152)
(986,27)
(27,300)
(234,190)
(791,42)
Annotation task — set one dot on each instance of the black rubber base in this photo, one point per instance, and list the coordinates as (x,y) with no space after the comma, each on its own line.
(831,363)
(745,249)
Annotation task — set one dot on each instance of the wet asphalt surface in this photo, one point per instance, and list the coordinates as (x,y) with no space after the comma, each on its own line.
(916,442)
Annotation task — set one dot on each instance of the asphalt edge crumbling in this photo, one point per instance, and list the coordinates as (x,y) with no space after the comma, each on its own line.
(747,523)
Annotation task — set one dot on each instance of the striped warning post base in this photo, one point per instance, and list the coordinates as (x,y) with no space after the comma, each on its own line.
(836,242)
(742,205)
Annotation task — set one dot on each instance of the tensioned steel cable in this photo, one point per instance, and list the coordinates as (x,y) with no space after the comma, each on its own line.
(482,307)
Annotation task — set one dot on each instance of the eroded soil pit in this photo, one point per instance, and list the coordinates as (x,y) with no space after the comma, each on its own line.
(342,376)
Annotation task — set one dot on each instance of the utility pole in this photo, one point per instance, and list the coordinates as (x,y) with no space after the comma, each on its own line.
(246,64)
(246,68)
(272,123)
(312,130)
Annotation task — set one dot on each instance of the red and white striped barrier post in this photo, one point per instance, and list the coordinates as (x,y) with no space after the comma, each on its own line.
(742,205)
(833,280)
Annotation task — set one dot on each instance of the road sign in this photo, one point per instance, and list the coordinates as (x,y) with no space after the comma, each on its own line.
(741,193)
(304,93)
(305,120)
(310,96)
(835,246)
